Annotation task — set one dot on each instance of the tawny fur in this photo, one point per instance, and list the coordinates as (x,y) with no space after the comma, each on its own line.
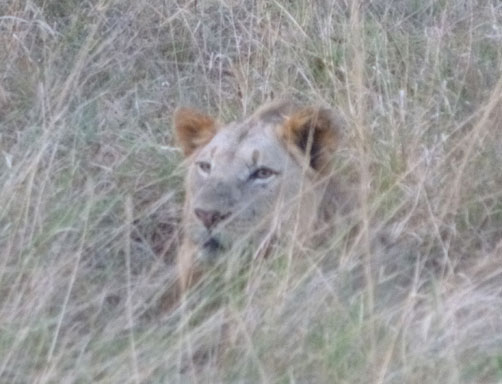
(290,150)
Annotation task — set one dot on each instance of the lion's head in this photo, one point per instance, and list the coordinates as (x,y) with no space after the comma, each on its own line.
(250,179)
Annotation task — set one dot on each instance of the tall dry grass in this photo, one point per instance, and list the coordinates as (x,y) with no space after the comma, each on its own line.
(91,190)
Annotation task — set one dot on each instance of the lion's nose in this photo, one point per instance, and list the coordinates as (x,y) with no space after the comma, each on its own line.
(210,218)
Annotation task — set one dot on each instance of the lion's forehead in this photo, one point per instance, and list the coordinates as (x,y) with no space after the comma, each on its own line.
(253,146)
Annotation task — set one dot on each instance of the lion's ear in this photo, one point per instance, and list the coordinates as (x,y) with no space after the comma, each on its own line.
(193,129)
(316,133)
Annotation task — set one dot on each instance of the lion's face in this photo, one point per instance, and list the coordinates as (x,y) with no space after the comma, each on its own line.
(237,184)
(247,179)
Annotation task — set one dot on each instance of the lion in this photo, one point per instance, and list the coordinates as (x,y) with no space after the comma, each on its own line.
(253,181)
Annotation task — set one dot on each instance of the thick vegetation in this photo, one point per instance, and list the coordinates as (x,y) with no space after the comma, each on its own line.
(408,289)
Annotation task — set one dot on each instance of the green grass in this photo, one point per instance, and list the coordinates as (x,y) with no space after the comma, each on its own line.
(87,91)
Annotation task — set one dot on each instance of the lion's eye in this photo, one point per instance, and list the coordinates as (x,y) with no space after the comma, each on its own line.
(204,166)
(262,173)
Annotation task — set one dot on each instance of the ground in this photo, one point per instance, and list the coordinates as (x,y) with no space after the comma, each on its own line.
(406,291)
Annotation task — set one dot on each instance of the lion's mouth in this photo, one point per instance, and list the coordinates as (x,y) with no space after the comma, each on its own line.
(212,248)
(213,245)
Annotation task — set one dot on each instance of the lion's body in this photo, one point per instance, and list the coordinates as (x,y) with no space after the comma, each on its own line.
(251,181)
